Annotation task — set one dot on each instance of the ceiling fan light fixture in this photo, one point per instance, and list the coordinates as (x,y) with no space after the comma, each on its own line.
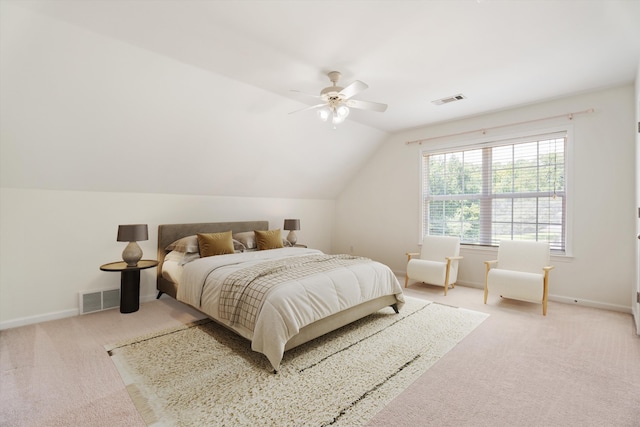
(337,101)
(342,111)
(324,113)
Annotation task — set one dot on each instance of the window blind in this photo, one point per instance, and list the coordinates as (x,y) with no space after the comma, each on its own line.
(500,190)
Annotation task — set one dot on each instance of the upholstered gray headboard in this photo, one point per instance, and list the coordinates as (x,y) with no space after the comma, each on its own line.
(169,233)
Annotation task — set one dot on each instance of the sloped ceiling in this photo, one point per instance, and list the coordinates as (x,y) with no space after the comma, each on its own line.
(498,53)
(228,68)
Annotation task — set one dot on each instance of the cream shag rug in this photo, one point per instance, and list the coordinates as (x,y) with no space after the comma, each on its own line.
(202,374)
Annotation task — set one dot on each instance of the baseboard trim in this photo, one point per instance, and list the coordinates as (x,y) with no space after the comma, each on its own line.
(567,300)
(31,320)
(589,303)
(555,298)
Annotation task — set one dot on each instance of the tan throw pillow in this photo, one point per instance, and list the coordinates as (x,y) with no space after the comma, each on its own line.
(268,239)
(215,244)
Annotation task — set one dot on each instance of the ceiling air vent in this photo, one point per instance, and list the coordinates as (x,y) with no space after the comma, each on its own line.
(448,99)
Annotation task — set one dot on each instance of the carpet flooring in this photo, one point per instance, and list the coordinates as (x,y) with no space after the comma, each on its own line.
(202,374)
(576,366)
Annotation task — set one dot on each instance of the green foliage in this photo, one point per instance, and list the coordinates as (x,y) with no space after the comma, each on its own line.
(450,175)
(455,189)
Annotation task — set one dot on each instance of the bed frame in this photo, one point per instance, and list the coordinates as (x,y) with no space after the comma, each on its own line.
(168,233)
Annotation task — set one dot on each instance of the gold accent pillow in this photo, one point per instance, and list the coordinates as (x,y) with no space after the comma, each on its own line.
(268,239)
(215,244)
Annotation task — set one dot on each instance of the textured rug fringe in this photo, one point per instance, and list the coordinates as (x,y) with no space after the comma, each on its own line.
(142,405)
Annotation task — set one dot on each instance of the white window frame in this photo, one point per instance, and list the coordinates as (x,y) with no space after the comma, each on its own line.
(521,136)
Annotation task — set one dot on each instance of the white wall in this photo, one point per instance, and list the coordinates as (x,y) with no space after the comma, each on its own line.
(378,212)
(81,111)
(95,132)
(53,242)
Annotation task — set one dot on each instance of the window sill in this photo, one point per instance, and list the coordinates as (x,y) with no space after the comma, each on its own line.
(493,250)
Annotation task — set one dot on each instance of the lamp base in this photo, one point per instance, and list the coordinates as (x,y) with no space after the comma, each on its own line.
(292,238)
(132,254)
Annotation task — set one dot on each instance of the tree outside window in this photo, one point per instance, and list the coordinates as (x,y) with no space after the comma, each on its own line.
(511,191)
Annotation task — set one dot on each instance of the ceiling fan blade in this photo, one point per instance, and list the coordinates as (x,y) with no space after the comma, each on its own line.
(305,93)
(309,108)
(353,89)
(367,105)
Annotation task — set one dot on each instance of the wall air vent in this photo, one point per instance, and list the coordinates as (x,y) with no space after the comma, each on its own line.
(448,99)
(92,301)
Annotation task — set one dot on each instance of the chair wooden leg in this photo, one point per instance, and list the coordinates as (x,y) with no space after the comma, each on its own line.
(545,292)
(486,288)
(446,277)
(406,274)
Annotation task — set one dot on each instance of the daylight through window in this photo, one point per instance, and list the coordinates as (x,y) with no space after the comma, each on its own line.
(498,191)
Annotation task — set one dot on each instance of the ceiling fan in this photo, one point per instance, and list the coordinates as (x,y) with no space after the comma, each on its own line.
(336,101)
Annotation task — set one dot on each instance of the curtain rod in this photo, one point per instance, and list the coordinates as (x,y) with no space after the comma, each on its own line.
(484,130)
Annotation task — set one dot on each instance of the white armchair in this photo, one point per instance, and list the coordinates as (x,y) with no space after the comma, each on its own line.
(437,264)
(521,272)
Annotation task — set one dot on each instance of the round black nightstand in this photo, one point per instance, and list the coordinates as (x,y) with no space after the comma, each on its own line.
(129,282)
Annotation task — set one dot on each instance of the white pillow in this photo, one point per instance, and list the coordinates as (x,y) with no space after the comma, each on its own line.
(181,258)
(187,244)
(247,238)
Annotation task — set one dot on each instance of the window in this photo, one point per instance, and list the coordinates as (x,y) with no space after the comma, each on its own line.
(502,190)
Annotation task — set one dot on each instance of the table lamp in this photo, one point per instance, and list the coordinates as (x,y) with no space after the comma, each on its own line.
(292,225)
(132,233)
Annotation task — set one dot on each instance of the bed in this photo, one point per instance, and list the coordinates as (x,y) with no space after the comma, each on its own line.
(315,293)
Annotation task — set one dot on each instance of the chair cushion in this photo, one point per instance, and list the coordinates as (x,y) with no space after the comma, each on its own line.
(521,255)
(432,272)
(515,284)
(437,248)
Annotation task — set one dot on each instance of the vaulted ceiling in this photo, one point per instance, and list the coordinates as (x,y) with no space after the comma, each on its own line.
(239,62)
(498,54)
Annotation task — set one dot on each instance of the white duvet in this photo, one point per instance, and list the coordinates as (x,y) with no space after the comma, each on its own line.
(291,305)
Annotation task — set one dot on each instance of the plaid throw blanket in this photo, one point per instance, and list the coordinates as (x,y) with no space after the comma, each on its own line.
(244,291)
